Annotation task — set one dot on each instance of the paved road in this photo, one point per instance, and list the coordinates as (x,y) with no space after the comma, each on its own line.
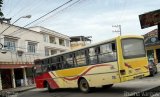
(119,90)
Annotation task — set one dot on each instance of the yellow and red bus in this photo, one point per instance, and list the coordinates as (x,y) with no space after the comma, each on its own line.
(100,65)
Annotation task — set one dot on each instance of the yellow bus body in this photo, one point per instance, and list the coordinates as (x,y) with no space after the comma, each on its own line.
(98,75)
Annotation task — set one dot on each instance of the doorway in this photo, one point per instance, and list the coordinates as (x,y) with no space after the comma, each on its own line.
(6,78)
(158,54)
(18,77)
(150,55)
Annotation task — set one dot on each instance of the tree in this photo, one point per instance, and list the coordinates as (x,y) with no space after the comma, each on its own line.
(1,2)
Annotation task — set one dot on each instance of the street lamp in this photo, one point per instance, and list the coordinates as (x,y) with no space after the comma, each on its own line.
(27,16)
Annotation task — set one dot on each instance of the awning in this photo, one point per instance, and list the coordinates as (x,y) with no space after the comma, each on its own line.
(14,66)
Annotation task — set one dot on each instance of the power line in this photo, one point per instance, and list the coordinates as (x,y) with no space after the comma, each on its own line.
(49,12)
(10,8)
(58,12)
(15,32)
(28,16)
(28,8)
(44,15)
(9,26)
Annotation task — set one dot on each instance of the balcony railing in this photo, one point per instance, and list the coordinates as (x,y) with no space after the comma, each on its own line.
(17,63)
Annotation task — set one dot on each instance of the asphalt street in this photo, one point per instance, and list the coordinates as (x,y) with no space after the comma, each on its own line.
(124,89)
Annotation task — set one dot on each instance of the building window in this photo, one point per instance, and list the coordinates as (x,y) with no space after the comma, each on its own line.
(52,39)
(53,52)
(46,52)
(32,47)
(67,43)
(61,42)
(61,51)
(45,37)
(10,44)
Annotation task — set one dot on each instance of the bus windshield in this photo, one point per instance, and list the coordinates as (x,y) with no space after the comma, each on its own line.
(133,48)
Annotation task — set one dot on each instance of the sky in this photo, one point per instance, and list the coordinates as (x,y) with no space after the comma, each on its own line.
(86,17)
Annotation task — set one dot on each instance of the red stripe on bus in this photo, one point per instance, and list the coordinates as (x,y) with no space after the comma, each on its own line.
(51,81)
(146,67)
(74,78)
(127,65)
(53,74)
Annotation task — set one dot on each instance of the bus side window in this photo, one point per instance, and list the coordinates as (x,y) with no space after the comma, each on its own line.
(62,62)
(53,67)
(113,47)
(74,60)
(92,56)
(108,53)
(53,60)
(97,51)
(87,56)
(45,68)
(49,60)
(58,63)
(69,60)
(80,58)
(52,64)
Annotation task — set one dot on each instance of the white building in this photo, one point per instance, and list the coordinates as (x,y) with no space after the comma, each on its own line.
(77,42)
(22,47)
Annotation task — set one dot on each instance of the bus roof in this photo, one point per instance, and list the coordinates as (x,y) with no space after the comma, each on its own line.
(92,45)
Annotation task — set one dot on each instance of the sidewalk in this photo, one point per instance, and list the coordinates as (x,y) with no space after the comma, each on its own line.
(18,89)
(158,67)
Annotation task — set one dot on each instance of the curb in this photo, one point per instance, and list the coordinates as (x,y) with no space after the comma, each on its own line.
(5,93)
(24,90)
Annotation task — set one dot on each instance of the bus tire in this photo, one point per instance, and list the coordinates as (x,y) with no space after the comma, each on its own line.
(83,85)
(49,88)
(107,86)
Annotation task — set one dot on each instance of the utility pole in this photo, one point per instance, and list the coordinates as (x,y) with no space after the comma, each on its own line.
(118,30)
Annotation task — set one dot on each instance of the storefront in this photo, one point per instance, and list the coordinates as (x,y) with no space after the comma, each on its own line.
(15,75)
(152,46)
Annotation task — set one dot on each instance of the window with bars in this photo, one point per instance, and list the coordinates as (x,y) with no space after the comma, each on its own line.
(53,52)
(32,47)
(46,52)
(52,39)
(45,37)
(10,44)
(61,42)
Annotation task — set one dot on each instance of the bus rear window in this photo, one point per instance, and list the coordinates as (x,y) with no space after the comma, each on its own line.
(133,48)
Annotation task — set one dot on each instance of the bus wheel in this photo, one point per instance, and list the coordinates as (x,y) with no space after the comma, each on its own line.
(107,86)
(83,85)
(49,88)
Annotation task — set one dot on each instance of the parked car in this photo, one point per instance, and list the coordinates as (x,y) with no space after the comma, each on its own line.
(152,68)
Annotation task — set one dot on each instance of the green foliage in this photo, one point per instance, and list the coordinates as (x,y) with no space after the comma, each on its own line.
(1,14)
(1,2)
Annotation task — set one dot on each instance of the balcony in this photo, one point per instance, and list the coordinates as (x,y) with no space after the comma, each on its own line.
(9,65)
(56,46)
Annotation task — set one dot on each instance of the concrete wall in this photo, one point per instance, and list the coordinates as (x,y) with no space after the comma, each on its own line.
(25,35)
